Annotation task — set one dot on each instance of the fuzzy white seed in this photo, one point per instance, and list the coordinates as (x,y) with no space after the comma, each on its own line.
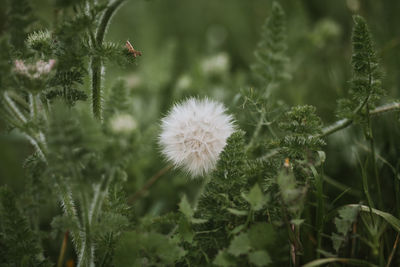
(194,133)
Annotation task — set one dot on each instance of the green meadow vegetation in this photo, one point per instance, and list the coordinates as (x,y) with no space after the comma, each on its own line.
(199,133)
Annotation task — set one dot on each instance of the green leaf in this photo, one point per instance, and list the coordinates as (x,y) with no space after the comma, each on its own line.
(237,229)
(259,258)
(20,245)
(337,241)
(185,230)
(347,216)
(255,198)
(237,212)
(185,207)
(393,221)
(187,210)
(223,259)
(134,247)
(240,245)
(262,235)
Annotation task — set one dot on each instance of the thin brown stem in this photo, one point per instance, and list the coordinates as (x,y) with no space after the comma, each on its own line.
(62,250)
(149,183)
(393,250)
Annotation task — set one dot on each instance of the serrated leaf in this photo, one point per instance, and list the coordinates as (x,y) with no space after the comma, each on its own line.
(261,235)
(240,245)
(259,258)
(347,216)
(136,246)
(255,198)
(185,207)
(237,229)
(185,230)
(223,259)
(337,241)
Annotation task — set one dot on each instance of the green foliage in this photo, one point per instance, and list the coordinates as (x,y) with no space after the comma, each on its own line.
(250,246)
(92,168)
(20,246)
(227,182)
(366,86)
(346,217)
(223,191)
(5,60)
(292,195)
(117,100)
(271,65)
(302,127)
(40,41)
(20,17)
(72,139)
(152,248)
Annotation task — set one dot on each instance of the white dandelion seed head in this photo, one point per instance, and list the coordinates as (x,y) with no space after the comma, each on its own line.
(194,133)
(123,123)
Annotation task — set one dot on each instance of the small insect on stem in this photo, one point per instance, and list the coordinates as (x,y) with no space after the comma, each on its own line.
(287,163)
(132,50)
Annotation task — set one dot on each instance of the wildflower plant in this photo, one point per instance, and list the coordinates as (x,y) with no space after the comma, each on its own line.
(100,189)
(194,133)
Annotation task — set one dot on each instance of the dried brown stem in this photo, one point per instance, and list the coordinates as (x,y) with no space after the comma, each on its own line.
(149,183)
(62,250)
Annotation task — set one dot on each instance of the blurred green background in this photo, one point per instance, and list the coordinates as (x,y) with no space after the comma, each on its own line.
(205,47)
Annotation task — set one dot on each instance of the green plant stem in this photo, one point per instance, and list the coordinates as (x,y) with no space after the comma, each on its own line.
(85,255)
(69,209)
(105,20)
(346,261)
(37,144)
(18,99)
(96,62)
(256,130)
(342,187)
(22,120)
(33,106)
(341,124)
(397,188)
(366,189)
(96,66)
(370,137)
(100,195)
(320,208)
(110,237)
(14,109)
